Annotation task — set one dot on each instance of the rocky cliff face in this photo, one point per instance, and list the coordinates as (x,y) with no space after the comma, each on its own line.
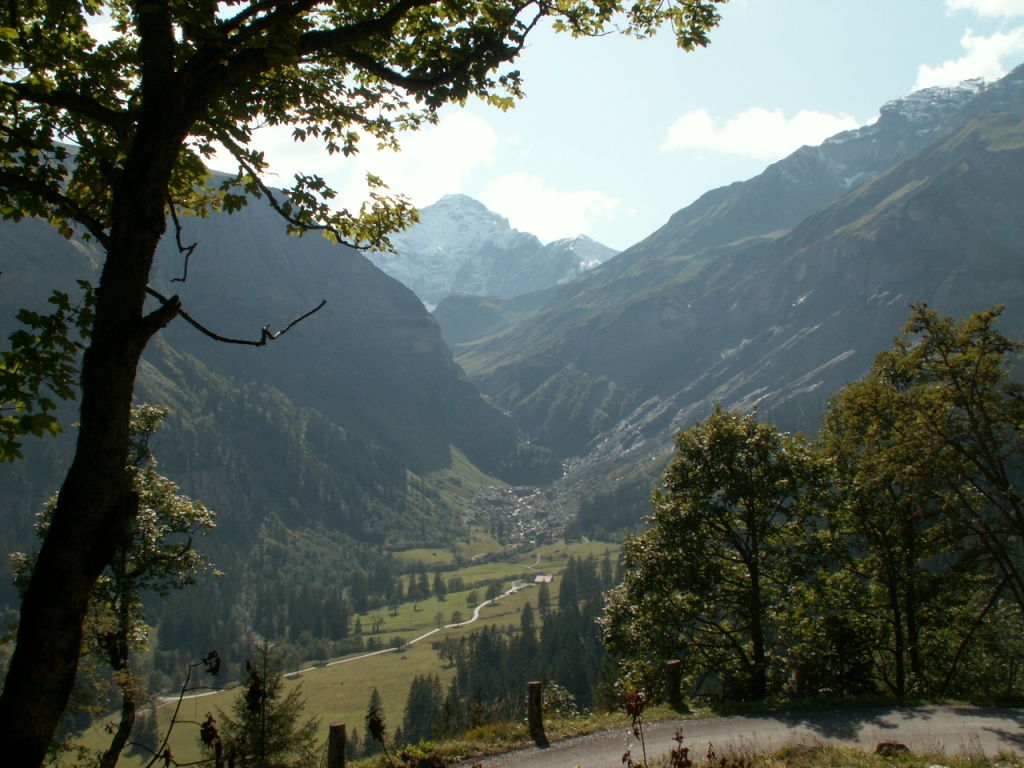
(461,247)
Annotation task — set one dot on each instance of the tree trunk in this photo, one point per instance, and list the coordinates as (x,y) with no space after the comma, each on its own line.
(756,619)
(118,656)
(96,502)
(124,729)
(910,604)
(899,643)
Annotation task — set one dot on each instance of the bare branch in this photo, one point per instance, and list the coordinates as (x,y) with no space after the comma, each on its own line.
(75,102)
(188,250)
(266,335)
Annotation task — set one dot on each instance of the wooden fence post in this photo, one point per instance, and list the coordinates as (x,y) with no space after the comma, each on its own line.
(336,746)
(535,714)
(673,682)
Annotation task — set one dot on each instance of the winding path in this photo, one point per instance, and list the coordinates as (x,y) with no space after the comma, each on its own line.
(516,586)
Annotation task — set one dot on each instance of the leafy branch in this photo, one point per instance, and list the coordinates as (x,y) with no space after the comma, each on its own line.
(41,368)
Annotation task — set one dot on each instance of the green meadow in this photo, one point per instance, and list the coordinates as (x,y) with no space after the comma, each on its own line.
(339,690)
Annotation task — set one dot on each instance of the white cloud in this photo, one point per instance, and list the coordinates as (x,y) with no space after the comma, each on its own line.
(983,58)
(759,133)
(433,161)
(991,8)
(532,206)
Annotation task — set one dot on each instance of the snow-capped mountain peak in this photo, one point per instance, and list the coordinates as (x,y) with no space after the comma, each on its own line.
(461,246)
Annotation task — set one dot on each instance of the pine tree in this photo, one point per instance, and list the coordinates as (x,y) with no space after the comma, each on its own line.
(375,729)
(544,599)
(266,728)
(440,590)
(423,709)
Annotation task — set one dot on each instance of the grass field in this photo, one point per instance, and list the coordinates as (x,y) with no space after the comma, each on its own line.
(339,691)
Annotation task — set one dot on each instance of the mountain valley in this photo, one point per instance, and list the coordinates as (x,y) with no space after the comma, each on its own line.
(541,395)
(770,293)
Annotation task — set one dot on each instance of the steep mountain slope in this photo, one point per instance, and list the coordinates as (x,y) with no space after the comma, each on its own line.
(371,360)
(461,247)
(320,427)
(772,202)
(774,306)
(317,452)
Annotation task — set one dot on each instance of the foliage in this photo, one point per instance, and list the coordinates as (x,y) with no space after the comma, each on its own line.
(375,727)
(111,137)
(266,728)
(492,667)
(703,581)
(41,365)
(156,555)
(610,511)
(961,396)
(890,524)
(424,709)
(926,449)
(886,557)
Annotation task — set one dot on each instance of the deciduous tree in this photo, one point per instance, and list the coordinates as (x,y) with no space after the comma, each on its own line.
(111,138)
(928,451)
(156,554)
(889,522)
(964,399)
(704,579)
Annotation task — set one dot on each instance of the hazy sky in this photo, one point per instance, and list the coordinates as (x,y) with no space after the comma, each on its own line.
(616,134)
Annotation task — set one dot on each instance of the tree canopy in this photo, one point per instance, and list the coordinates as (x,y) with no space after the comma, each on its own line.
(927,455)
(40,368)
(884,557)
(703,580)
(110,138)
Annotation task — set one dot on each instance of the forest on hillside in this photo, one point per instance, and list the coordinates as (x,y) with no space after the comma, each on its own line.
(883,558)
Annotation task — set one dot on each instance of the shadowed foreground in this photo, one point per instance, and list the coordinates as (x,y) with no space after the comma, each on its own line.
(940,730)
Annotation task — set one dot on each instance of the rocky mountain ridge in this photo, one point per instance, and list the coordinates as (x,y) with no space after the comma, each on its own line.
(770,293)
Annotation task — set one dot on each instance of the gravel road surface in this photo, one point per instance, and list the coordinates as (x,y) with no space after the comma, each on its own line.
(941,730)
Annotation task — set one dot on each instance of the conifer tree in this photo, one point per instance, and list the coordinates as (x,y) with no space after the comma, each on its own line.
(375,728)
(266,728)
(543,599)
(423,709)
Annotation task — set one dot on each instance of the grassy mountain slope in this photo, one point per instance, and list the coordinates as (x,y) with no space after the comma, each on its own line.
(777,319)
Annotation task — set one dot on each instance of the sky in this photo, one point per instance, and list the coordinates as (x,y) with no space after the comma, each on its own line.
(616,134)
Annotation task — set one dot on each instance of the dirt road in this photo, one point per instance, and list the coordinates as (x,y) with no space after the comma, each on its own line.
(940,730)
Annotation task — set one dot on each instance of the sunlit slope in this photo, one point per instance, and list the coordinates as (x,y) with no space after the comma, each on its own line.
(780,319)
